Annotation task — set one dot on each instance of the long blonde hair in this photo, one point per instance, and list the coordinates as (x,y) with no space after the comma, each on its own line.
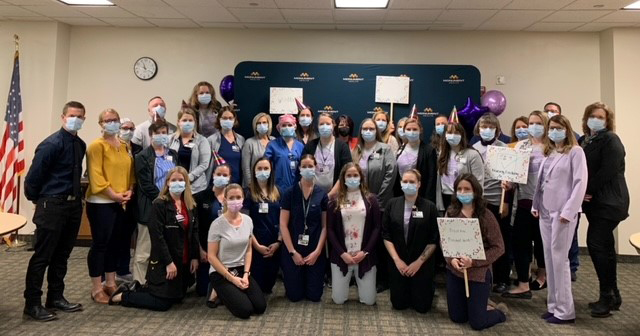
(570,140)
(190,111)
(387,132)
(187,197)
(357,151)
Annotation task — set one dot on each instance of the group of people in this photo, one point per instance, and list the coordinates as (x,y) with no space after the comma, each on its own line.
(322,205)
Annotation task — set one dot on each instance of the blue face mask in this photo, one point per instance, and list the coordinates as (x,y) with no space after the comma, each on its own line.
(263,175)
(453,139)
(177,187)
(204,98)
(412,135)
(522,133)
(287,131)
(160,111)
(409,188)
(325,130)
(401,132)
(557,135)
(160,139)
(112,127)
(464,198)
(262,128)
(73,124)
(368,136)
(596,124)
(308,173)
(439,129)
(352,182)
(220,181)
(382,125)
(305,121)
(187,126)
(536,130)
(227,124)
(487,134)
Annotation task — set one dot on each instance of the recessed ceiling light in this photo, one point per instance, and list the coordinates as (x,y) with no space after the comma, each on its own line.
(253,4)
(598,6)
(361,4)
(635,5)
(87,2)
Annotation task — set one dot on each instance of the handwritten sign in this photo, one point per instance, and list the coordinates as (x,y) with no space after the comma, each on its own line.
(508,164)
(461,237)
(282,100)
(390,89)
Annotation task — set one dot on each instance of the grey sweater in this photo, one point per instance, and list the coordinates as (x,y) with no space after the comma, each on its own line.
(200,159)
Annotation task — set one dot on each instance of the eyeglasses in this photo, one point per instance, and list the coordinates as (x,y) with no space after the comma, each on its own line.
(106,121)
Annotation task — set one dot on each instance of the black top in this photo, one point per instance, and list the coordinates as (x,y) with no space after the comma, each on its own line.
(427,166)
(184,156)
(146,189)
(56,167)
(341,154)
(605,163)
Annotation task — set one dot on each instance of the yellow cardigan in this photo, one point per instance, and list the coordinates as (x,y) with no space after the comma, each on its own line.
(109,167)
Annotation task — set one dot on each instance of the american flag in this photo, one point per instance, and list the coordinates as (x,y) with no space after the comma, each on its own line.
(12,149)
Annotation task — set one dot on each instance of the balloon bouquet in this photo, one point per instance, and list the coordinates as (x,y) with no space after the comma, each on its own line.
(492,101)
(226,89)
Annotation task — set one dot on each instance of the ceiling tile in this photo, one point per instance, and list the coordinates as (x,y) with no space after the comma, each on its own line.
(358,27)
(16,11)
(248,3)
(520,15)
(554,26)
(56,10)
(306,4)
(266,26)
(257,15)
(466,15)
(139,3)
(80,21)
(607,4)
(28,18)
(215,13)
(173,23)
(314,26)
(478,4)
(406,15)
(405,27)
(106,12)
(28,2)
(127,22)
(359,15)
(504,25)
(221,24)
(621,16)
(156,12)
(451,25)
(600,26)
(308,15)
(576,16)
(538,4)
(419,4)
(180,3)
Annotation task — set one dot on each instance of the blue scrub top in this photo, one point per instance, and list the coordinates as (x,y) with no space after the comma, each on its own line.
(266,226)
(233,158)
(281,157)
(292,201)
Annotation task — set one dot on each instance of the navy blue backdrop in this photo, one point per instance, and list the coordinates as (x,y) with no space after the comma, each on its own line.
(342,88)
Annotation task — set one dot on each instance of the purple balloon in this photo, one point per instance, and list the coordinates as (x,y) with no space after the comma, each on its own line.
(469,116)
(226,88)
(495,101)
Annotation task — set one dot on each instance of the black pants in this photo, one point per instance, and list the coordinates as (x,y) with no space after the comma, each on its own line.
(145,300)
(241,303)
(472,309)
(107,223)
(57,223)
(502,266)
(601,245)
(526,230)
(446,201)
(124,246)
(415,292)
(265,270)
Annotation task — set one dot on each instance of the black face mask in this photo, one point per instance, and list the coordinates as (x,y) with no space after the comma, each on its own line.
(344,131)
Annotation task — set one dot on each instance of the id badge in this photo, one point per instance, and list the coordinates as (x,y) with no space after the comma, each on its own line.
(417,214)
(292,165)
(303,240)
(170,158)
(219,212)
(190,145)
(376,156)
(235,148)
(463,160)
(263,208)
(179,217)
(346,205)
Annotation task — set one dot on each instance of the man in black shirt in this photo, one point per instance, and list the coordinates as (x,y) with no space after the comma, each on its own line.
(53,184)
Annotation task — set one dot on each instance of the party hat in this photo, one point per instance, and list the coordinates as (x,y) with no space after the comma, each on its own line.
(453,118)
(184,104)
(217,159)
(414,112)
(300,105)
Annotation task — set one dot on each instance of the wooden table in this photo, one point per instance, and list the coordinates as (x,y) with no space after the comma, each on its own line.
(11,222)
(635,241)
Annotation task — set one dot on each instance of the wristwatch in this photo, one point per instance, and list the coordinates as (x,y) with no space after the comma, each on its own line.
(247,272)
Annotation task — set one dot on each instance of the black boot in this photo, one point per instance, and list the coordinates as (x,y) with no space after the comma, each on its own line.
(617,300)
(602,308)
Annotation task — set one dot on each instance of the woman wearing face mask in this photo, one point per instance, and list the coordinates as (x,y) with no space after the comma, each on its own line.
(437,136)
(384,125)
(262,200)
(111,182)
(227,143)
(152,165)
(557,201)
(487,128)
(526,228)
(400,132)
(344,131)
(606,202)
(173,228)
(230,255)
(416,154)
(127,127)
(284,152)
(454,159)
(210,209)
(303,226)
(331,154)
(305,131)
(519,130)
(254,147)
(353,224)
(410,233)
(204,102)
(469,203)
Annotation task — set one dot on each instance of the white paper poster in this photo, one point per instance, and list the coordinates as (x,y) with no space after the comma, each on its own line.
(460,237)
(508,164)
(392,89)
(282,100)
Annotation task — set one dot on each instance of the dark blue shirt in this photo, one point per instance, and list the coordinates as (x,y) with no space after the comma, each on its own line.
(292,200)
(184,155)
(281,157)
(56,167)
(266,226)
(232,157)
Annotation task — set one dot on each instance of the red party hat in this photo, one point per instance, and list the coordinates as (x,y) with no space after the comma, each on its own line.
(300,105)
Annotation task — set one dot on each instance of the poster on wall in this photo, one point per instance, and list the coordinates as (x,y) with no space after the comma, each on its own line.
(282,100)
(508,164)
(392,89)
(461,237)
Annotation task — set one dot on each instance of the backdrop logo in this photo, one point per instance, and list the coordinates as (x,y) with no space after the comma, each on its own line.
(353,78)
(453,79)
(254,75)
(375,110)
(405,75)
(328,109)
(428,112)
(304,77)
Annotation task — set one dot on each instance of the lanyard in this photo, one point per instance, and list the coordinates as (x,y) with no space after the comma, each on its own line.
(305,208)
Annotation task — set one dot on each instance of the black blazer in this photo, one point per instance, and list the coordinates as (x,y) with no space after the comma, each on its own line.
(605,164)
(341,154)
(167,246)
(422,231)
(146,189)
(427,167)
